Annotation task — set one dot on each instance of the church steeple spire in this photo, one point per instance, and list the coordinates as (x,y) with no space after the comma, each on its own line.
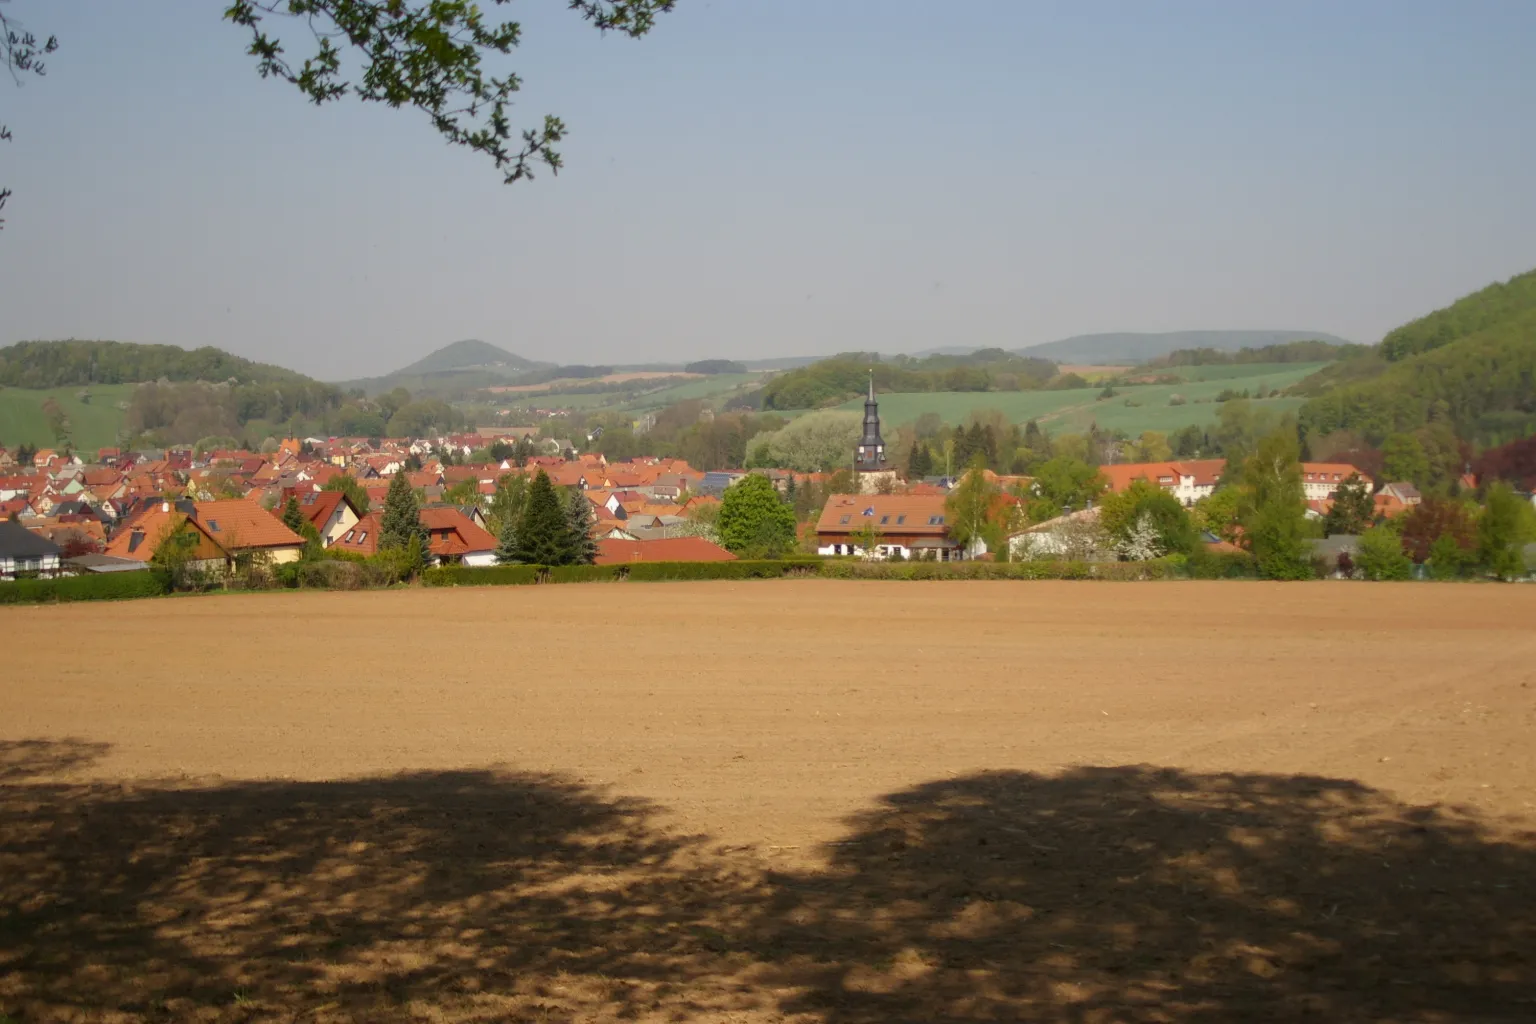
(870,455)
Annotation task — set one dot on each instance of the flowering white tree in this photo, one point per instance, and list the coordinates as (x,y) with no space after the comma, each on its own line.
(1142,543)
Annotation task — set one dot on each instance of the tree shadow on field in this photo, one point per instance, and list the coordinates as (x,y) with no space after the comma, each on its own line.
(1140,894)
(1096,895)
(461,895)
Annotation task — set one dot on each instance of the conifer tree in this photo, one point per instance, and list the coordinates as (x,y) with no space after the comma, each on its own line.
(402,517)
(581,548)
(293,517)
(919,462)
(545,535)
(1352,510)
(506,542)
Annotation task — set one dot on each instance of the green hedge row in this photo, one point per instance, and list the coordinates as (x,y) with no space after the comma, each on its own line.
(1156,570)
(106,586)
(742,569)
(489,576)
(521,575)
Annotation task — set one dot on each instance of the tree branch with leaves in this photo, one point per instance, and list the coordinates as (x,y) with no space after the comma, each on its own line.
(21,54)
(434,55)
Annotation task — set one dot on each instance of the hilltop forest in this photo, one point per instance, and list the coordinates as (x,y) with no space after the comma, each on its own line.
(845,376)
(1467,370)
(184,396)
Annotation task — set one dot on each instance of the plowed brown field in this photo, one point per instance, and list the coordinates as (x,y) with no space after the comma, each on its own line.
(773,801)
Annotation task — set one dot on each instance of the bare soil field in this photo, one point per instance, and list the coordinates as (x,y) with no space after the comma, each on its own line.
(807,801)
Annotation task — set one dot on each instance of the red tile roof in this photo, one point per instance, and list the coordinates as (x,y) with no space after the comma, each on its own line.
(241,524)
(451,533)
(903,514)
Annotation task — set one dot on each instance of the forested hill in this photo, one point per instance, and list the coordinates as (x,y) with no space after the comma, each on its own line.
(470,354)
(1470,366)
(184,395)
(1131,347)
(1483,309)
(52,364)
(844,376)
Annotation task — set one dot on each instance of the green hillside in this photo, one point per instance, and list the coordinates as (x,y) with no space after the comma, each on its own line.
(72,363)
(1132,409)
(1479,311)
(160,392)
(637,397)
(1133,347)
(94,423)
(1471,365)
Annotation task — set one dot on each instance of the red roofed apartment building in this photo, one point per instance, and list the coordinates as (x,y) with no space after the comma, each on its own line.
(911,525)
(1192,479)
(1188,480)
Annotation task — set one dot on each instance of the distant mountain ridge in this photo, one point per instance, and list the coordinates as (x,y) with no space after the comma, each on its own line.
(1139,347)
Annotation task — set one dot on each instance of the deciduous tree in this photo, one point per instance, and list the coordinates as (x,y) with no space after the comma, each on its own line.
(1503,530)
(1381,555)
(1404,459)
(969,509)
(1272,509)
(1122,514)
(754,520)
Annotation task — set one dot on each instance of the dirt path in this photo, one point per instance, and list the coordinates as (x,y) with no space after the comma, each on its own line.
(810,800)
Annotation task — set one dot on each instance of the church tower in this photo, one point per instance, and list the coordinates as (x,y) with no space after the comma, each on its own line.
(870,456)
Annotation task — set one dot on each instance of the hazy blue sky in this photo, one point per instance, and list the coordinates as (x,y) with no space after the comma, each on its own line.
(773,177)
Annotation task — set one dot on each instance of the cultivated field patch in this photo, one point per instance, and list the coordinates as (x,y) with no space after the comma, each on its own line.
(774,801)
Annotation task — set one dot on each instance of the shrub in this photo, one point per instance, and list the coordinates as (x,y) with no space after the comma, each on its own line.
(742,569)
(487,576)
(586,573)
(1381,556)
(1204,564)
(110,586)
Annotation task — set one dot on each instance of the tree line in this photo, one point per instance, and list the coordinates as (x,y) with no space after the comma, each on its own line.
(835,380)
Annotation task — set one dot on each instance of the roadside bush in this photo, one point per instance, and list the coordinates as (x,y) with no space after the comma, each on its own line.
(1203,564)
(742,569)
(487,576)
(1381,556)
(109,586)
(586,573)
(1157,569)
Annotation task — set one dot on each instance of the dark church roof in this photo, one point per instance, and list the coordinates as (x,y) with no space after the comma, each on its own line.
(870,455)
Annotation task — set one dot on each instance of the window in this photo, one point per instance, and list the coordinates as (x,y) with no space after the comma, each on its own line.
(869,511)
(884,520)
(935,520)
(844,520)
(362,536)
(213,524)
(901,520)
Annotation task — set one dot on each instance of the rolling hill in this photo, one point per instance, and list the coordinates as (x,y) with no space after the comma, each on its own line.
(456,368)
(1471,365)
(97,389)
(1133,347)
(470,354)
